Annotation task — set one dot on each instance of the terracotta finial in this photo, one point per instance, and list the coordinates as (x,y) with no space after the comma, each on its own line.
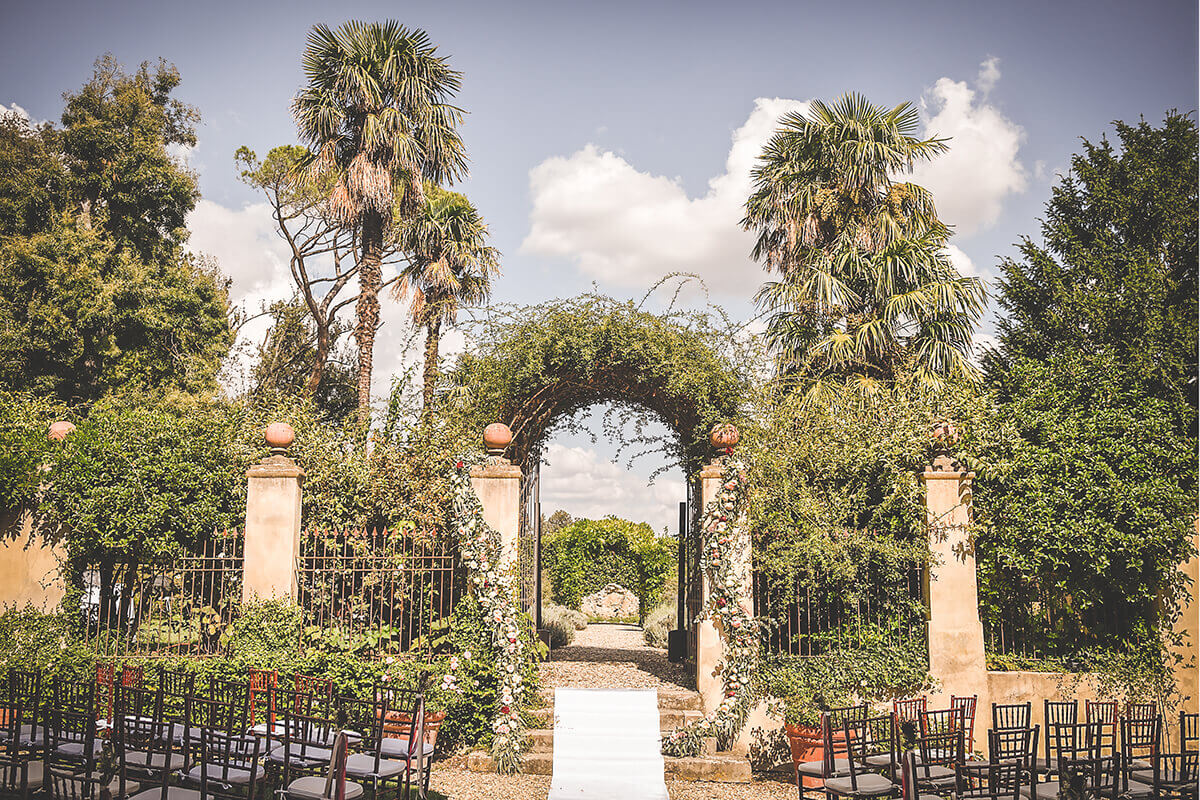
(724,436)
(60,430)
(279,436)
(496,437)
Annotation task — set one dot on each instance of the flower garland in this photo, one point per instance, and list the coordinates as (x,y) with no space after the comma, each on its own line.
(479,547)
(723,607)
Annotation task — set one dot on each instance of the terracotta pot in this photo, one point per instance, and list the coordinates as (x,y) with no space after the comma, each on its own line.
(806,744)
(398,724)
(724,436)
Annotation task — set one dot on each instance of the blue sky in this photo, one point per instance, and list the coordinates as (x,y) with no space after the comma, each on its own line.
(609,140)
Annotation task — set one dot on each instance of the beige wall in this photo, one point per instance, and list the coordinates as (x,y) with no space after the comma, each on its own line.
(29,570)
(1188,625)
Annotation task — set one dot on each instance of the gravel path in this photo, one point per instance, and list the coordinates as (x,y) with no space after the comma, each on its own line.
(606,655)
(456,783)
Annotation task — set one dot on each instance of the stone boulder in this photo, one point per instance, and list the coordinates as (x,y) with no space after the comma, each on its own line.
(611,602)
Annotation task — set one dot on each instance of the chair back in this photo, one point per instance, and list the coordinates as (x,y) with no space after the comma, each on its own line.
(144,747)
(1189,732)
(367,717)
(967,706)
(1104,713)
(1078,743)
(1099,775)
(909,790)
(225,708)
(228,764)
(873,736)
(20,704)
(908,708)
(1140,741)
(263,683)
(942,720)
(944,749)
(1012,715)
(1055,713)
(303,733)
(1141,710)
(320,688)
(1014,744)
(991,780)
(133,701)
(335,777)
(72,720)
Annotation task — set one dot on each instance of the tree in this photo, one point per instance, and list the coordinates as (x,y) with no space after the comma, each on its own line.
(33,178)
(450,265)
(376,117)
(1118,270)
(116,133)
(867,288)
(1089,512)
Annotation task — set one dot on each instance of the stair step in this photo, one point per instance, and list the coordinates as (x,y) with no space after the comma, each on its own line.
(676,699)
(669,718)
(720,768)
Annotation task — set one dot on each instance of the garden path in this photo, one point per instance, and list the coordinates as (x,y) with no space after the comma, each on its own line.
(613,655)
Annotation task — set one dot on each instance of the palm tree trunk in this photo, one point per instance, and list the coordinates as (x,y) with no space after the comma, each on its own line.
(433,337)
(370,276)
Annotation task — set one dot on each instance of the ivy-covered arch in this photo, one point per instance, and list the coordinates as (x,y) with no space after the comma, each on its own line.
(538,364)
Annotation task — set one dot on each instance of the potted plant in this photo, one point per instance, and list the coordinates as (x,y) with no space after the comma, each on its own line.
(802,724)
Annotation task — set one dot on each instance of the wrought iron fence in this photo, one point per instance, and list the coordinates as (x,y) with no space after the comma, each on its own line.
(376,592)
(802,620)
(178,606)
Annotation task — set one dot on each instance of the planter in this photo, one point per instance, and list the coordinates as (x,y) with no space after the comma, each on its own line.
(399,724)
(806,744)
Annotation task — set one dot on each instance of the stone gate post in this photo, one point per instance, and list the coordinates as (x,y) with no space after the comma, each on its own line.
(498,486)
(956,654)
(271,544)
(710,639)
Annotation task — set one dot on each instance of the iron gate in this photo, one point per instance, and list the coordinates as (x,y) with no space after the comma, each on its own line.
(529,543)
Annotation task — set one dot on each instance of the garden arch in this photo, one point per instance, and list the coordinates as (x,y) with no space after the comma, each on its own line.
(551,361)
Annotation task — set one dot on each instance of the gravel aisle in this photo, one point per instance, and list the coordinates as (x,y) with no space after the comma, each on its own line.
(459,784)
(606,655)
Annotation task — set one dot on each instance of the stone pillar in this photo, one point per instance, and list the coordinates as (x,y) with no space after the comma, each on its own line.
(272,534)
(710,639)
(1187,625)
(498,486)
(956,657)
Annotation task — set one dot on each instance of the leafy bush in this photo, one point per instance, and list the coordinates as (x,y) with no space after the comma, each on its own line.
(588,554)
(559,624)
(658,623)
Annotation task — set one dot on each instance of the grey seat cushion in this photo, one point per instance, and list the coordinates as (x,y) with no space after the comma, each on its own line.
(935,774)
(361,765)
(234,776)
(31,736)
(173,793)
(816,769)
(398,748)
(153,761)
(1137,789)
(869,784)
(881,760)
(1047,790)
(313,788)
(76,748)
(301,754)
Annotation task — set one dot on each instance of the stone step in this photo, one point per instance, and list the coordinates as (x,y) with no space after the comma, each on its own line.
(719,768)
(678,699)
(669,718)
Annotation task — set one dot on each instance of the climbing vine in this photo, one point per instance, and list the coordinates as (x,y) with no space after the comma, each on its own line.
(480,549)
(739,629)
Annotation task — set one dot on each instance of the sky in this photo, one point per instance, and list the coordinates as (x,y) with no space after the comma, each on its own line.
(611,143)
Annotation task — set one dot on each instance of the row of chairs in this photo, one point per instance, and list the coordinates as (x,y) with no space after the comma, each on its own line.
(78,738)
(876,750)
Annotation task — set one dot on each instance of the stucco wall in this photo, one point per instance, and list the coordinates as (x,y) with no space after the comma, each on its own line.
(29,569)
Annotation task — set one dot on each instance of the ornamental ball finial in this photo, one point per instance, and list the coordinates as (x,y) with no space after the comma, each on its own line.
(60,430)
(724,436)
(496,437)
(944,432)
(279,436)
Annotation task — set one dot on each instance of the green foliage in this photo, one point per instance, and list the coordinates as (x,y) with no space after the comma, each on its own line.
(556,620)
(658,623)
(587,554)
(1087,506)
(877,668)
(135,482)
(24,449)
(32,181)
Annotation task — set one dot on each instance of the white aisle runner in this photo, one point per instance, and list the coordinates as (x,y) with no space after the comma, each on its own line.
(607,745)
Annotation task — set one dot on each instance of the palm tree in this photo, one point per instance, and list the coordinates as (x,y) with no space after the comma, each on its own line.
(450,265)
(376,118)
(866,286)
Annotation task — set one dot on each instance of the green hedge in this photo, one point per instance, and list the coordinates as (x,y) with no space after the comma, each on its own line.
(587,554)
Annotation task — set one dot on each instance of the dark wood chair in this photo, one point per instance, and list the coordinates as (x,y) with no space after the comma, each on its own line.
(906,710)
(1141,744)
(301,742)
(367,719)
(834,761)
(333,786)
(146,752)
(1006,716)
(1055,713)
(227,765)
(967,706)
(989,780)
(1019,745)
(941,752)
(20,704)
(1104,714)
(873,736)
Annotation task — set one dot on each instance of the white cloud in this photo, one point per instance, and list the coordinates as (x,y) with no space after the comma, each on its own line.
(13,108)
(982,168)
(627,228)
(579,481)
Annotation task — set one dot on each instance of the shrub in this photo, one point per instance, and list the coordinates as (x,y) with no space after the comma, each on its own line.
(658,623)
(588,554)
(560,624)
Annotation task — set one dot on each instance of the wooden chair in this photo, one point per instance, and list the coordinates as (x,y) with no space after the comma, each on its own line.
(1019,746)
(941,753)
(989,780)
(333,786)
(1015,716)
(146,751)
(20,703)
(1103,713)
(833,746)
(873,736)
(1055,713)
(967,705)
(263,683)
(300,743)
(1141,741)
(907,710)
(1189,732)
(370,765)
(227,767)
(909,790)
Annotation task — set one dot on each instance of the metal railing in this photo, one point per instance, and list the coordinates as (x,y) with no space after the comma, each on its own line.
(177,606)
(376,592)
